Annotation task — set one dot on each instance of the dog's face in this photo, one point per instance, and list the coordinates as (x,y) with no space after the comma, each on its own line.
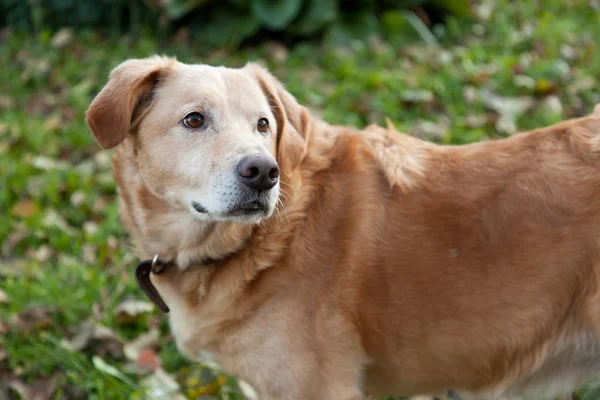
(205,138)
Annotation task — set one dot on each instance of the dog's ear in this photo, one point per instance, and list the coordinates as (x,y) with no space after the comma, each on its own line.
(113,111)
(294,122)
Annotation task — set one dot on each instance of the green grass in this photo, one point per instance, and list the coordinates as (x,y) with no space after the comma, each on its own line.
(63,248)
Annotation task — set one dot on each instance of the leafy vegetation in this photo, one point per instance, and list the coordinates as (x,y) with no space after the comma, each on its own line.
(229,22)
(73,324)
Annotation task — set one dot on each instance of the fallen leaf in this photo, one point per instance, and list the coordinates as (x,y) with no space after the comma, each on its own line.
(430,130)
(3,353)
(14,267)
(52,219)
(417,96)
(30,319)
(83,335)
(148,340)
(277,52)
(89,253)
(553,104)
(6,102)
(24,208)
(3,327)
(89,333)
(508,108)
(160,386)
(109,342)
(108,369)
(130,310)
(38,104)
(247,390)
(62,38)
(77,198)
(148,360)
(470,94)
(3,297)
(39,389)
(545,87)
(50,164)
(42,254)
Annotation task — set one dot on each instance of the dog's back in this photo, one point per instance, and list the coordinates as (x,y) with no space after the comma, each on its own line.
(487,266)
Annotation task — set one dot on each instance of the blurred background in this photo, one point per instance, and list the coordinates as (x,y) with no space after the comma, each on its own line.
(73,324)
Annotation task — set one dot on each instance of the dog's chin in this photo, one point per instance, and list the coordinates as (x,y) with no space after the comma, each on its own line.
(251,212)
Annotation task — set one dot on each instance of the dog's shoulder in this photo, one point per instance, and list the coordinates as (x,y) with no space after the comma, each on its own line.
(403,159)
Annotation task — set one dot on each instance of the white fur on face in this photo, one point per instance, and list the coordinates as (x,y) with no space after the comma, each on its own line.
(196,169)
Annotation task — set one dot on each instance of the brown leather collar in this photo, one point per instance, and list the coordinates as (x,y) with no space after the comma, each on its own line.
(142,276)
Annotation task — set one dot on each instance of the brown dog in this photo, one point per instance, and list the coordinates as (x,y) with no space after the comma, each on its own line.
(322,262)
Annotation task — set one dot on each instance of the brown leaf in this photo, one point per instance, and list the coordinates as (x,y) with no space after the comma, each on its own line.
(3,327)
(6,102)
(148,360)
(145,341)
(39,389)
(3,353)
(103,339)
(30,319)
(24,208)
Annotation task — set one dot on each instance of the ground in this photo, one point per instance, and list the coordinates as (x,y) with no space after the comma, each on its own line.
(73,323)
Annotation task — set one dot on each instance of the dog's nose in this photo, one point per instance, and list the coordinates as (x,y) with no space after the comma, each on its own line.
(259,172)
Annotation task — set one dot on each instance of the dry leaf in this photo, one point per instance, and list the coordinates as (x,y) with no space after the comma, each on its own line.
(148,360)
(62,38)
(3,327)
(508,108)
(108,369)
(160,386)
(31,318)
(6,102)
(14,267)
(39,389)
(431,130)
(3,297)
(130,310)
(3,353)
(24,208)
(247,390)
(90,333)
(50,164)
(148,340)
(53,219)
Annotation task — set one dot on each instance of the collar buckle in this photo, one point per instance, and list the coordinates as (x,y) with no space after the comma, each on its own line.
(142,275)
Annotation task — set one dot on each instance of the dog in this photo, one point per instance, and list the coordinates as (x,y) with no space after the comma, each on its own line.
(317,261)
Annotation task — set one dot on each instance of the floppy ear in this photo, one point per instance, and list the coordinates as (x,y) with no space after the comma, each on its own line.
(294,123)
(111,114)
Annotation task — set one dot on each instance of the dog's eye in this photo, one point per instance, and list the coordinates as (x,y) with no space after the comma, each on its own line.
(262,125)
(194,120)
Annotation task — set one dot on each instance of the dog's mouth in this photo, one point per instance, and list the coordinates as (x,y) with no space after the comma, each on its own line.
(240,210)
(249,208)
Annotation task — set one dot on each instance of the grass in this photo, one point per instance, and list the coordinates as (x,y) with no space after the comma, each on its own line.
(70,312)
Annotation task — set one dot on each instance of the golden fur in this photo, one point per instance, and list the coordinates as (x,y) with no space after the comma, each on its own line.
(392,266)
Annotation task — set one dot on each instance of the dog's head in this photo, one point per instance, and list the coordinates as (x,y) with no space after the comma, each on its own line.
(213,140)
